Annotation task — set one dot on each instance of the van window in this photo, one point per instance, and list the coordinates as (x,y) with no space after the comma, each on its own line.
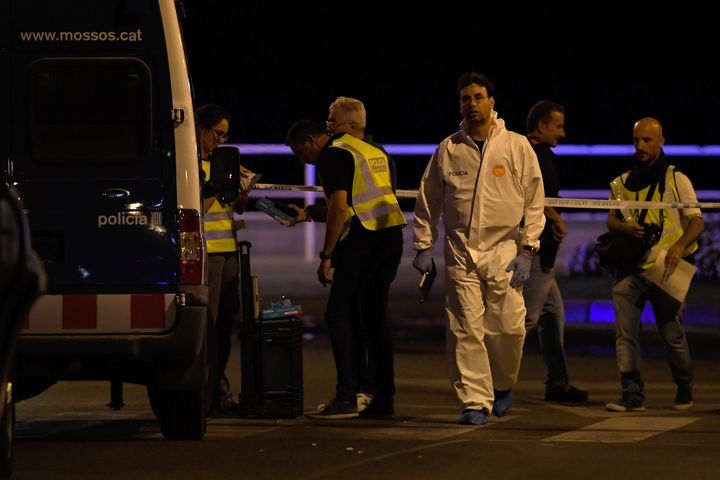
(91,110)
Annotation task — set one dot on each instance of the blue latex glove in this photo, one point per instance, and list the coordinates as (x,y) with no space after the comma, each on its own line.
(521,265)
(423,261)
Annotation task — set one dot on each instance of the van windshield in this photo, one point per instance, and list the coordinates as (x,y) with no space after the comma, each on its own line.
(90,110)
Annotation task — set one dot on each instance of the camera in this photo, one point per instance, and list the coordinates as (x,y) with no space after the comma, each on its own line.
(652,233)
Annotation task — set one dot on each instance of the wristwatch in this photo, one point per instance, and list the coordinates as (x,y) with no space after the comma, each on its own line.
(531,250)
(325,256)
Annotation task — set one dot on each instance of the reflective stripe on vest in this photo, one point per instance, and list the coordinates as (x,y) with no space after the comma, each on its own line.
(219,232)
(373,200)
(669,218)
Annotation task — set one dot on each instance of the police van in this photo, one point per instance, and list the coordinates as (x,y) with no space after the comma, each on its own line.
(99,140)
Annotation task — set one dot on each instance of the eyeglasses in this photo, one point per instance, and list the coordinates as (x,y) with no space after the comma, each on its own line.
(331,123)
(221,136)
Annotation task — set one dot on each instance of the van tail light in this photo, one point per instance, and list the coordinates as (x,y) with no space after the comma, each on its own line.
(191,247)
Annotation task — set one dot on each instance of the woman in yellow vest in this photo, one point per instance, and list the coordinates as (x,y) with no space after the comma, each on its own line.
(220,234)
(650,176)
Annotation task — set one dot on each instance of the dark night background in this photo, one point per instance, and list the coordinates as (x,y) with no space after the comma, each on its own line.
(609,64)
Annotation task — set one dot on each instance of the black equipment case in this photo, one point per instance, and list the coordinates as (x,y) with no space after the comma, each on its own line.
(271,355)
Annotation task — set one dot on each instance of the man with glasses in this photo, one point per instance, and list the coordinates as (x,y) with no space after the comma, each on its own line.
(347,115)
(485,183)
(223,266)
(363,244)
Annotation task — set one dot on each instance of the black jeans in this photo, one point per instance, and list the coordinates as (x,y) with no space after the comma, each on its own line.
(224,304)
(365,264)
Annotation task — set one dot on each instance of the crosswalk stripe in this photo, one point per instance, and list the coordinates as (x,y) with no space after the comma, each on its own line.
(625,429)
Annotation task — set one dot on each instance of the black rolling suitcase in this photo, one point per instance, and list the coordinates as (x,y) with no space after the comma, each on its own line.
(271,355)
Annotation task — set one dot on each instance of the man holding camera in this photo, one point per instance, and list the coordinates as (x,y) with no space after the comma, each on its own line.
(652,179)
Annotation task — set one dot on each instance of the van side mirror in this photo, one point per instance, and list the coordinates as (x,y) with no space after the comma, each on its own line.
(225,173)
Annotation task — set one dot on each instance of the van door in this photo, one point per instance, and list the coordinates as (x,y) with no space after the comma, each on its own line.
(91,151)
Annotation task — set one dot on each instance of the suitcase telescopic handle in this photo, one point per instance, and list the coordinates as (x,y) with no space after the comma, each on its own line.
(244,247)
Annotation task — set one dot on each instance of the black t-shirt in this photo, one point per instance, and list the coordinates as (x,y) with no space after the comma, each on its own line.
(548,245)
(479,144)
(546,159)
(336,169)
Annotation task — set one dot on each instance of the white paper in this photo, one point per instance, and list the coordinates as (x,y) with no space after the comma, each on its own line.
(678,283)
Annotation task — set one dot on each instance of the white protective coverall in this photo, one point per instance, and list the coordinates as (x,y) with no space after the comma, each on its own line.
(482,197)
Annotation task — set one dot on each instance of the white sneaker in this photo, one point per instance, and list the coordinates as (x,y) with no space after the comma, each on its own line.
(363,401)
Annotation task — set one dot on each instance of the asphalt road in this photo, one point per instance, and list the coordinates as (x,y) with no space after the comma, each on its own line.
(68,433)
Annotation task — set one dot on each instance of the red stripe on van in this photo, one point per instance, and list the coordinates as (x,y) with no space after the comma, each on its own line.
(147,311)
(79,311)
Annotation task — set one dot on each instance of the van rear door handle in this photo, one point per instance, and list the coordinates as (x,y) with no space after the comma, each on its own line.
(115,193)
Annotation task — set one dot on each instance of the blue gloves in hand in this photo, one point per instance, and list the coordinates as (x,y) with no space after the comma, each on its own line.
(521,265)
(423,261)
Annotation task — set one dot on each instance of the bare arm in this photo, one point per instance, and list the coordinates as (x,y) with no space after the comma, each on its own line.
(336,215)
(632,228)
(311,213)
(559,229)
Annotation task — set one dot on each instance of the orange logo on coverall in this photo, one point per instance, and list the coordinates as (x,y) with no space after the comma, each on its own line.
(498,170)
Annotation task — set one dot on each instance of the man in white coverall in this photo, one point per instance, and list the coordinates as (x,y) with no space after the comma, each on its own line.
(485,182)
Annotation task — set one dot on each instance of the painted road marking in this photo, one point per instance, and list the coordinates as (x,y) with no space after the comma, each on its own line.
(625,429)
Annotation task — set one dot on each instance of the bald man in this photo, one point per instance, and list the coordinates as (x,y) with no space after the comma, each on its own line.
(652,178)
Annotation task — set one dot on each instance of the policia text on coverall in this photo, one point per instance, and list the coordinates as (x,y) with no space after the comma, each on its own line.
(363,243)
(485,182)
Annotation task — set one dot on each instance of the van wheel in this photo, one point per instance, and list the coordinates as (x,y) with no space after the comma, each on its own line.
(182,413)
(7,436)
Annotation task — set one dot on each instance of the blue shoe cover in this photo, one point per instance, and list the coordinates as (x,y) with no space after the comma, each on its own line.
(502,403)
(473,417)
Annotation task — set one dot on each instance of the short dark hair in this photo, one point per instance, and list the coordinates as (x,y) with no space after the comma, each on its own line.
(540,112)
(477,78)
(210,115)
(300,130)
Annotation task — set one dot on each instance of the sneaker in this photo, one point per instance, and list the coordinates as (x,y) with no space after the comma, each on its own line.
(683,399)
(224,406)
(363,401)
(633,403)
(379,408)
(502,403)
(474,417)
(569,395)
(335,409)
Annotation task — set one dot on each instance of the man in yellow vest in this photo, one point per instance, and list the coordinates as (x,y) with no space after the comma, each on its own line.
(220,234)
(652,179)
(348,115)
(363,244)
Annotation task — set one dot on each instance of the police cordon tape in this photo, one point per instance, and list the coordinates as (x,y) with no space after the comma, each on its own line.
(550,202)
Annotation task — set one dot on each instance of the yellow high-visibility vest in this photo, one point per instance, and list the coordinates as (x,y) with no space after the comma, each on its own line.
(219,231)
(373,200)
(668,218)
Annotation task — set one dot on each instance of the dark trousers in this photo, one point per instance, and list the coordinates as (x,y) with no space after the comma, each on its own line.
(224,293)
(365,264)
(629,296)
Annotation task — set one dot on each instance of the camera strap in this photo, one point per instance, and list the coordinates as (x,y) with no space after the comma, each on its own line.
(648,197)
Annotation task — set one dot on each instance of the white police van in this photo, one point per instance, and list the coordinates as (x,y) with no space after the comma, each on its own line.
(99,140)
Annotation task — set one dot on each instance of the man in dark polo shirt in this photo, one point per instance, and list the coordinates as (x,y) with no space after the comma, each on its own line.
(543,301)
